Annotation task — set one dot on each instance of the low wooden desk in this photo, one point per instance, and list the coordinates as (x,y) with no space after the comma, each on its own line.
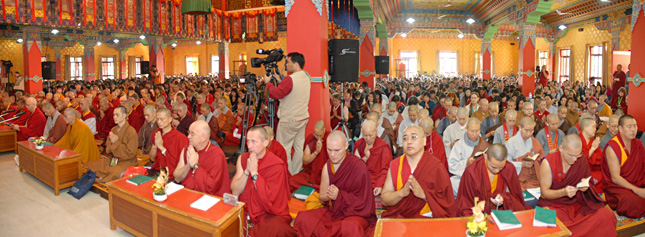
(457,227)
(7,138)
(133,209)
(57,167)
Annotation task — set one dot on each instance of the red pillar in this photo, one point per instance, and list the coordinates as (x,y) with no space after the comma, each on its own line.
(31,50)
(222,51)
(307,34)
(636,93)
(59,63)
(89,74)
(156,56)
(367,65)
(552,54)
(527,60)
(486,60)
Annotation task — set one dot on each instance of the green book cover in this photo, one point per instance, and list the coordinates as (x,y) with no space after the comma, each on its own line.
(527,195)
(505,219)
(544,217)
(303,192)
(139,179)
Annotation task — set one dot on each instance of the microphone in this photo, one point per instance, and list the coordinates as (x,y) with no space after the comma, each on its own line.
(19,114)
(8,111)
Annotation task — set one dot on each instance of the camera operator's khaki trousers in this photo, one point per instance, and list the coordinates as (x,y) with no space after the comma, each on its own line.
(292,134)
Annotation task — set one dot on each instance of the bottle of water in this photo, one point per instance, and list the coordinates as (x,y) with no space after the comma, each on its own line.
(530,95)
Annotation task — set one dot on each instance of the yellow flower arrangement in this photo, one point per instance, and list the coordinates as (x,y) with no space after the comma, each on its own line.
(477,223)
(39,141)
(160,185)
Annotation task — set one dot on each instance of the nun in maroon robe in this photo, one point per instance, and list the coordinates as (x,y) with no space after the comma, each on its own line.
(476,183)
(435,181)
(352,212)
(632,169)
(379,160)
(584,214)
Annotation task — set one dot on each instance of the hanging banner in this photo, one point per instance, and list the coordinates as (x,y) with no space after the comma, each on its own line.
(163,16)
(219,25)
(89,18)
(147,15)
(252,25)
(110,13)
(130,11)
(226,27)
(176,16)
(236,27)
(10,11)
(201,24)
(38,11)
(211,25)
(270,28)
(190,24)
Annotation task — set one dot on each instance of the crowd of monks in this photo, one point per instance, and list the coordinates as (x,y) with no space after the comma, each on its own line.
(424,148)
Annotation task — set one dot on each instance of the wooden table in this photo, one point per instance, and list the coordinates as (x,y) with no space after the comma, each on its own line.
(133,209)
(57,167)
(457,227)
(7,138)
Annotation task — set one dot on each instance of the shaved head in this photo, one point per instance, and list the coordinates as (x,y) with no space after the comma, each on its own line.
(572,141)
(337,136)
(319,125)
(165,112)
(426,123)
(497,152)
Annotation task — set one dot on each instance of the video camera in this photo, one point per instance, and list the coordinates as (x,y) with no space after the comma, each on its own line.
(249,78)
(7,63)
(274,56)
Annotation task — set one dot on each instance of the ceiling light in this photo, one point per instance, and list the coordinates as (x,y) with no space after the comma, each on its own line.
(198,42)
(142,37)
(174,45)
(460,35)
(410,20)
(54,31)
(19,41)
(98,43)
(470,21)
(604,0)
(404,35)
(116,41)
(562,27)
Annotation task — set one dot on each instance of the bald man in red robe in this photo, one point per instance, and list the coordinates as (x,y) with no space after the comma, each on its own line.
(591,150)
(580,209)
(261,182)
(21,108)
(202,165)
(493,180)
(375,153)
(135,116)
(346,192)
(275,147)
(624,171)
(434,142)
(35,122)
(405,192)
(167,144)
(314,158)
(106,121)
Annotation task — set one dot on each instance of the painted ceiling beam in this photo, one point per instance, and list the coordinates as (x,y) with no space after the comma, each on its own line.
(543,7)
(364,9)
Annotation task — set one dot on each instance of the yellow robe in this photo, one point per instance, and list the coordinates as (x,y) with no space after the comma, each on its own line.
(79,138)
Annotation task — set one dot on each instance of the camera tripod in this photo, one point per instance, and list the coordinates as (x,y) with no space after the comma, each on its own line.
(343,124)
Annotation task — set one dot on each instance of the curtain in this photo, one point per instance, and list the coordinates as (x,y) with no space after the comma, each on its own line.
(132,71)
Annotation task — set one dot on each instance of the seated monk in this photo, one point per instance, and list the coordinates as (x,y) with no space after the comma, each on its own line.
(135,117)
(87,116)
(22,113)
(454,132)
(261,182)
(384,129)
(465,152)
(9,109)
(121,145)
(202,165)
(78,137)
(527,111)
(314,158)
(434,142)
(550,137)
(207,115)
(106,120)
(624,171)
(426,192)
(55,128)
(572,112)
(145,134)
(35,124)
(275,147)
(375,153)
(346,191)
(233,138)
(580,209)
(522,146)
(493,180)
(564,125)
(591,150)
(491,122)
(508,128)
(168,143)
(225,117)
(181,120)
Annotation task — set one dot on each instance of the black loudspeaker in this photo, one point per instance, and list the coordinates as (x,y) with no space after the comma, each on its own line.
(145,67)
(382,64)
(49,70)
(343,60)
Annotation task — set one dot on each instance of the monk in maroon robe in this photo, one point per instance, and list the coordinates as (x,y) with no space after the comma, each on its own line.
(580,209)
(106,120)
(202,165)
(135,118)
(493,180)
(181,120)
(9,109)
(591,150)
(35,124)
(624,171)
(404,191)
(314,158)
(346,192)
(619,79)
(261,182)
(434,142)
(375,153)
(168,144)
(22,113)
(275,147)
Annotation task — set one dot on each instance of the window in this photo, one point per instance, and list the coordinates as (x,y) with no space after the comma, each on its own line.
(409,59)
(76,68)
(595,64)
(215,65)
(107,68)
(192,65)
(43,59)
(543,58)
(448,64)
(565,55)
(137,66)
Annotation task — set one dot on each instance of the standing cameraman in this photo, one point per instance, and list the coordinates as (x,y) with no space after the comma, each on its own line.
(293,92)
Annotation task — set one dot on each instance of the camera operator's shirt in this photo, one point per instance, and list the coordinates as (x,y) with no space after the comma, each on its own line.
(293,93)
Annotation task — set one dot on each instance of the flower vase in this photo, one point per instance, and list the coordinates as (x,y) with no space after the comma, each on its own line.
(39,147)
(471,235)
(159,197)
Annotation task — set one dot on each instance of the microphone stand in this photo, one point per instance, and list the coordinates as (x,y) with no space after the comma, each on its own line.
(7,120)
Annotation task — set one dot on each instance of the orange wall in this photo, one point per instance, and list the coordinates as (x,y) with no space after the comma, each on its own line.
(10,50)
